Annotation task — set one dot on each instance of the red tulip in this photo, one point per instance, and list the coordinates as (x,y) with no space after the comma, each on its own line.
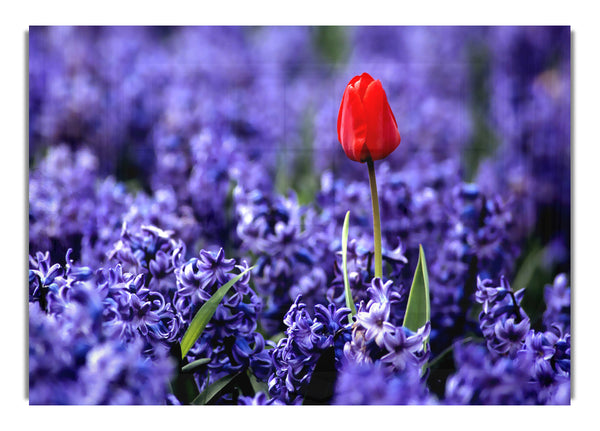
(367,128)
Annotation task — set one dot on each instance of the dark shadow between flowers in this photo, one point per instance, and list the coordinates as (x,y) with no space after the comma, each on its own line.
(321,387)
(183,385)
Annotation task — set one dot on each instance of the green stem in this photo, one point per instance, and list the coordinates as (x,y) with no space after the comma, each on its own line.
(376,220)
(448,349)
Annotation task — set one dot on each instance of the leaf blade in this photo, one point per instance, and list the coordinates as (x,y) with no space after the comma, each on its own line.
(205,313)
(193,366)
(347,292)
(213,390)
(418,308)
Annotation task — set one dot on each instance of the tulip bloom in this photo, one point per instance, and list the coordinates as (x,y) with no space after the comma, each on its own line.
(368,131)
(366,125)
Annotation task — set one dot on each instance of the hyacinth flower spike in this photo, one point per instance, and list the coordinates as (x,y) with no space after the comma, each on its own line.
(367,131)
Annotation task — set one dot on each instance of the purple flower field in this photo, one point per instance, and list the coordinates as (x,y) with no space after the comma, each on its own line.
(175,171)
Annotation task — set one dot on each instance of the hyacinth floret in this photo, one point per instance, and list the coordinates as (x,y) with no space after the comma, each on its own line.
(405,347)
(41,277)
(374,323)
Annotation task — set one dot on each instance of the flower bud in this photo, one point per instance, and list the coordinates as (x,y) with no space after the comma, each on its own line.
(367,128)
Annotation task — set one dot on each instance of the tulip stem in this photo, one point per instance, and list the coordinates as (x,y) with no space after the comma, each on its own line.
(376,220)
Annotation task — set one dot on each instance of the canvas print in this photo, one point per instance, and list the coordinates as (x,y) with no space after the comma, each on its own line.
(302,215)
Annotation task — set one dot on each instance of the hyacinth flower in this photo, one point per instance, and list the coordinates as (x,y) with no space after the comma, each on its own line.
(78,352)
(375,338)
(503,322)
(295,356)
(374,384)
(558,303)
(220,338)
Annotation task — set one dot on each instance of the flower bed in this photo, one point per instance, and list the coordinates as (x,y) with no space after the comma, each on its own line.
(188,232)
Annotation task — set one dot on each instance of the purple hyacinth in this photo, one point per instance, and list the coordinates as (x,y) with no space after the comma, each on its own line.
(230,339)
(200,277)
(124,182)
(558,303)
(483,378)
(510,335)
(149,249)
(66,347)
(376,338)
(405,347)
(306,337)
(373,384)
(547,357)
(270,226)
(260,399)
(375,324)
(122,374)
(53,366)
(61,205)
(503,322)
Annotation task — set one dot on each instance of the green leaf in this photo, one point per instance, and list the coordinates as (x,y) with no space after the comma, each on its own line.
(348,293)
(276,338)
(193,366)
(204,315)
(257,385)
(183,386)
(531,263)
(417,309)
(214,390)
(532,275)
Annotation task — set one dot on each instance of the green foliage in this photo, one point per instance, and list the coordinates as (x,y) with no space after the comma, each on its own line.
(204,315)
(295,164)
(193,366)
(347,292)
(484,141)
(331,43)
(533,274)
(182,385)
(418,307)
(215,390)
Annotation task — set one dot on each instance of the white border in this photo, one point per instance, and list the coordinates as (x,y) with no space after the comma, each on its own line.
(585,209)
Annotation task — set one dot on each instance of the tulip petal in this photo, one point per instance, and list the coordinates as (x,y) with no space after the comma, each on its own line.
(361,83)
(383,136)
(352,125)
